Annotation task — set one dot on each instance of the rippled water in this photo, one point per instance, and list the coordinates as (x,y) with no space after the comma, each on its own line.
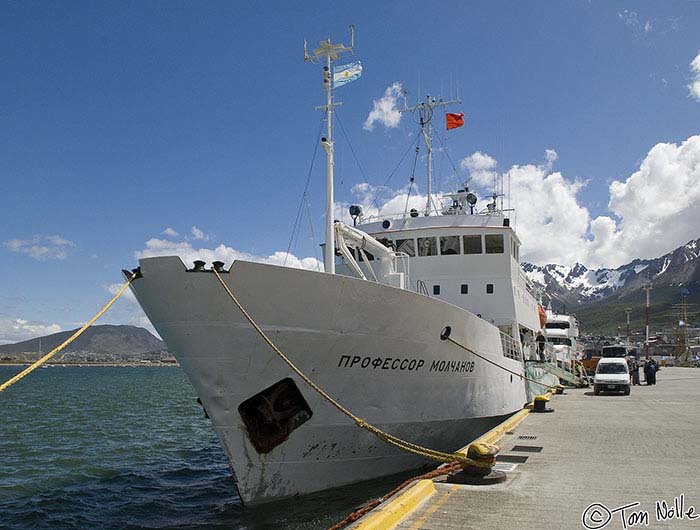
(128,447)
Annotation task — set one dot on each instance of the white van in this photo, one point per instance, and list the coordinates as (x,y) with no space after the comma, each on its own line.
(612,375)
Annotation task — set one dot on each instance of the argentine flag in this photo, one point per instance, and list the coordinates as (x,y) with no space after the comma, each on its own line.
(346,73)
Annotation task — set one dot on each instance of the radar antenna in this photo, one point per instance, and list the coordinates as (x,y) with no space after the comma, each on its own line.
(330,52)
(425,117)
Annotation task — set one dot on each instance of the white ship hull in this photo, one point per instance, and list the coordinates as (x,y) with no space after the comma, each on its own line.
(375,348)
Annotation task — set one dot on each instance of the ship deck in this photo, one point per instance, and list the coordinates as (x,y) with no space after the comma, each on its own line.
(609,449)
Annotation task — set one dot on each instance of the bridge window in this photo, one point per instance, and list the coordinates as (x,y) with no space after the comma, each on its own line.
(472,244)
(465,288)
(436,289)
(427,246)
(494,244)
(489,288)
(449,245)
(407,246)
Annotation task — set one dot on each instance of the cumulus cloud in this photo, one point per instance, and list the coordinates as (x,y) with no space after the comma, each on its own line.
(385,110)
(199,234)
(17,329)
(658,206)
(188,253)
(41,247)
(480,167)
(170,232)
(694,86)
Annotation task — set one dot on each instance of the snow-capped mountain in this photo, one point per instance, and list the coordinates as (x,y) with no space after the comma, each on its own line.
(579,285)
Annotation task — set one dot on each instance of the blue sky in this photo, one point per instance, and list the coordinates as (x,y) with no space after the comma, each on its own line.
(122,120)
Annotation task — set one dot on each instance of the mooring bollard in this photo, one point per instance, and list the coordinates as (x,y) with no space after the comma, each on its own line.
(540,404)
(483,473)
(560,389)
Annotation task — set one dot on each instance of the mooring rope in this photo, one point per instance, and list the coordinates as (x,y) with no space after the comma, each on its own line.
(410,447)
(65,343)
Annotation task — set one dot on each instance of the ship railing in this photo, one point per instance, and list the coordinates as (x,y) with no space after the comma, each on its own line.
(531,353)
(422,288)
(511,347)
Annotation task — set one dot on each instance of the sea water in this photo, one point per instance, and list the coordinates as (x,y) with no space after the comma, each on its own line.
(129,447)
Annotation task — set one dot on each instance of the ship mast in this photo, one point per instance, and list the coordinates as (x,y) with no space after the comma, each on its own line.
(425,115)
(330,52)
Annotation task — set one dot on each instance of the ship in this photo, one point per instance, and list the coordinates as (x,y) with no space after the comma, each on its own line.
(562,332)
(369,330)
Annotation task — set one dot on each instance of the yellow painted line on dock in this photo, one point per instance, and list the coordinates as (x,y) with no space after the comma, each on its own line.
(391,514)
(402,505)
(430,511)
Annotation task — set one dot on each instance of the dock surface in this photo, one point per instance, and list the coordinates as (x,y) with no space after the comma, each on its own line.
(613,450)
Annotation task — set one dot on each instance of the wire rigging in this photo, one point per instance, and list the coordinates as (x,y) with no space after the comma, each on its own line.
(413,177)
(352,150)
(408,148)
(447,154)
(304,195)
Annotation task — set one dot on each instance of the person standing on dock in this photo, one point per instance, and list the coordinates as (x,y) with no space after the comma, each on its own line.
(650,372)
(540,345)
(635,372)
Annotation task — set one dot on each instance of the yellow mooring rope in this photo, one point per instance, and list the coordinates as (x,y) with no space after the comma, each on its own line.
(440,456)
(65,343)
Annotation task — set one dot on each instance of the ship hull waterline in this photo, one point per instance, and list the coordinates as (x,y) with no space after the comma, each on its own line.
(374,348)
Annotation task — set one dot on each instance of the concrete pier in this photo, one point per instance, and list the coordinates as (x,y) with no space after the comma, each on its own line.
(638,451)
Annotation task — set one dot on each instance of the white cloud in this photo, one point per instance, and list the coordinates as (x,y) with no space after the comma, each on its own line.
(17,329)
(549,220)
(480,167)
(198,234)
(477,161)
(170,232)
(694,86)
(385,110)
(184,249)
(658,206)
(41,247)
(551,156)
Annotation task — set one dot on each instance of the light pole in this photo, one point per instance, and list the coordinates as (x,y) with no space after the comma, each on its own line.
(647,288)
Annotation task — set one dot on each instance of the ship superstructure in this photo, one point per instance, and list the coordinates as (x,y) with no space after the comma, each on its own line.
(562,333)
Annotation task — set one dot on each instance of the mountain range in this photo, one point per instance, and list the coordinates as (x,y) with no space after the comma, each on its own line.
(106,343)
(595,295)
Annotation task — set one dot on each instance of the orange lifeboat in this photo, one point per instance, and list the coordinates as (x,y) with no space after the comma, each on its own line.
(543,315)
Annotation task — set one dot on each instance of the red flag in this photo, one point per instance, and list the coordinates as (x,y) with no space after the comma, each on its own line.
(454,120)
